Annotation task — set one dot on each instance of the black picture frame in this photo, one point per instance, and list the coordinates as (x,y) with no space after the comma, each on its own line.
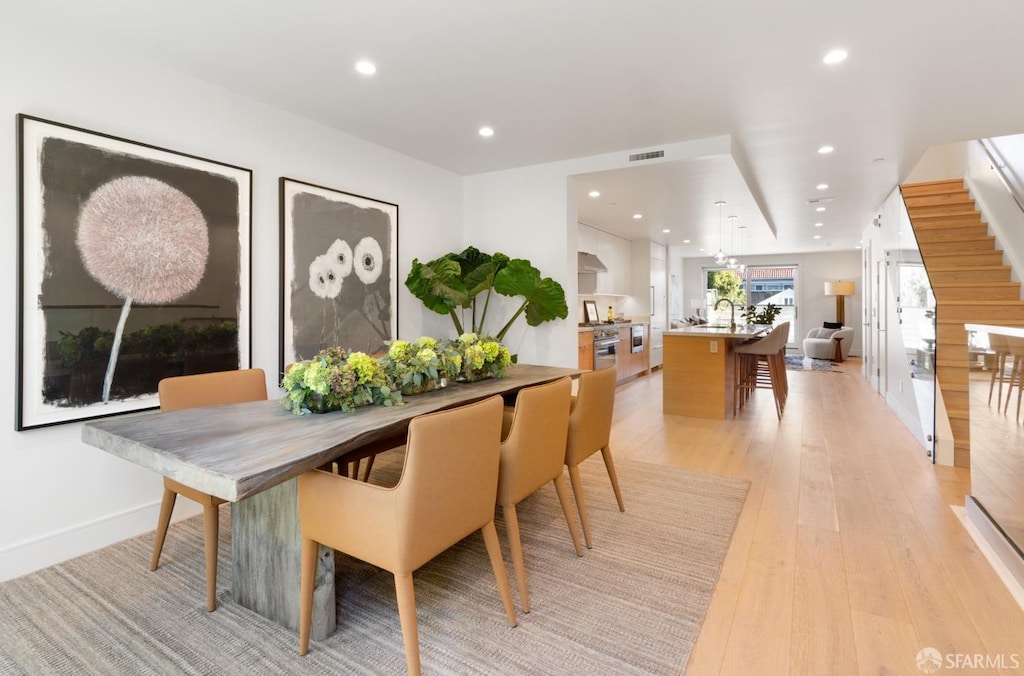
(133,265)
(329,297)
(590,315)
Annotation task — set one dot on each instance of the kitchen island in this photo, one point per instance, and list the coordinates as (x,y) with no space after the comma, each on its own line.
(699,369)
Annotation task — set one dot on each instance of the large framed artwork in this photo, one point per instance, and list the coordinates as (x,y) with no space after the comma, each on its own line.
(339,276)
(133,266)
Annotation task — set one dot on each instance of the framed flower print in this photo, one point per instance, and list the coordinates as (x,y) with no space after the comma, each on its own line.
(133,266)
(339,276)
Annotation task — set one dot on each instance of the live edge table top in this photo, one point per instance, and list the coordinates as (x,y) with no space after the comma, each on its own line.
(236,451)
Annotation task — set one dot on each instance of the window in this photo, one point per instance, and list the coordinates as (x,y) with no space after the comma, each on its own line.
(767,284)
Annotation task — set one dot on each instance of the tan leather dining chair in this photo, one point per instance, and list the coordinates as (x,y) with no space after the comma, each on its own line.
(532,454)
(590,428)
(205,389)
(446,492)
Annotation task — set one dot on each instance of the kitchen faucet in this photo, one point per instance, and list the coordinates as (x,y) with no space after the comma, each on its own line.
(732,312)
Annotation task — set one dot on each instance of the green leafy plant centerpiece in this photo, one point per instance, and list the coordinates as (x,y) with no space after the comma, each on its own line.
(454,283)
(481,357)
(762,315)
(336,379)
(421,365)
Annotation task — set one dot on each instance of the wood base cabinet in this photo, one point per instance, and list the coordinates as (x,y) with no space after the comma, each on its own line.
(586,345)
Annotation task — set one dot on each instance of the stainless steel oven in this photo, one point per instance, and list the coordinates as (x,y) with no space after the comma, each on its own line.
(637,335)
(606,347)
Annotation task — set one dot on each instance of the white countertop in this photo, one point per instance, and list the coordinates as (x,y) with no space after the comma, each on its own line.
(742,331)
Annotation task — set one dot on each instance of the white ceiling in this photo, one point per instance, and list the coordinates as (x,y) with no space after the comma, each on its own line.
(561,80)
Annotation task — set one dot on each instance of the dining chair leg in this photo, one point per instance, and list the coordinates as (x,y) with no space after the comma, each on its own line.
(369,466)
(307,578)
(498,566)
(1014,378)
(609,465)
(570,519)
(406,595)
(581,503)
(162,522)
(211,523)
(515,545)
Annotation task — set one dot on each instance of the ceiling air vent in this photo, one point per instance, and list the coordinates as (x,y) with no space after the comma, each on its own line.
(820,200)
(647,156)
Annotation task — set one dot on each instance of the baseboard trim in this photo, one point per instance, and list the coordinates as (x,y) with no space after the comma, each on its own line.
(28,556)
(1004,556)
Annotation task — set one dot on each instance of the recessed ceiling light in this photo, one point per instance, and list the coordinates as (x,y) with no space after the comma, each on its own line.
(638,216)
(733,217)
(820,209)
(686,241)
(365,67)
(835,56)
(486,132)
(594,193)
(666,230)
(817,237)
(825,150)
(818,225)
(700,249)
(878,159)
(822,186)
(857,247)
(720,203)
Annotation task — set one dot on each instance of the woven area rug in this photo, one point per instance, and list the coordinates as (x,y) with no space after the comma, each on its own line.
(632,605)
(797,363)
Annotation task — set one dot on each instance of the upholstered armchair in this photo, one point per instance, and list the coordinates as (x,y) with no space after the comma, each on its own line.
(821,343)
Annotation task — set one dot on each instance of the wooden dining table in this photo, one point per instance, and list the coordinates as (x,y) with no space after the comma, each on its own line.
(250,455)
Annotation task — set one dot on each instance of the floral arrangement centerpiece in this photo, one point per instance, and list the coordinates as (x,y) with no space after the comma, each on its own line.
(421,365)
(336,379)
(482,357)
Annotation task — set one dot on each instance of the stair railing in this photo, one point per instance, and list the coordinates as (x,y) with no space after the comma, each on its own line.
(1000,167)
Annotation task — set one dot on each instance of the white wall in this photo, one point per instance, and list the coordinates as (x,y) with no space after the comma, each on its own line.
(59,497)
(813,306)
(1004,216)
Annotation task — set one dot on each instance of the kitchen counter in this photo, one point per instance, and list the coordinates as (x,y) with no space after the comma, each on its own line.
(699,369)
(743,331)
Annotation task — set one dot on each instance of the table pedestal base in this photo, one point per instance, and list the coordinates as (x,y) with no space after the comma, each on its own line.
(266,553)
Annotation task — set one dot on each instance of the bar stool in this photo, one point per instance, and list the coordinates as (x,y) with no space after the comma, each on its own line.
(749,376)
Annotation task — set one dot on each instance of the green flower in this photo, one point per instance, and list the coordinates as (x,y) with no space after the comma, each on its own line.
(427,341)
(364,366)
(467,338)
(398,349)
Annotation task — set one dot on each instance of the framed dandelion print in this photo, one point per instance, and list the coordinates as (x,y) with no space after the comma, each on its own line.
(339,276)
(133,266)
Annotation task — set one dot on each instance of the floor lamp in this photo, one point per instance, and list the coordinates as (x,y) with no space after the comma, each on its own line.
(840,290)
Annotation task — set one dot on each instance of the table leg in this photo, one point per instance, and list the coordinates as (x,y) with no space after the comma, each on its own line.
(266,553)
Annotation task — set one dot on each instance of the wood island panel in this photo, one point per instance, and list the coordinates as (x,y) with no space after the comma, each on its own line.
(698,382)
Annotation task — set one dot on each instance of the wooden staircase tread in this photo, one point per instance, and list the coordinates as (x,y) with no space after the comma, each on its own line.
(943,284)
(927,184)
(985,302)
(967,268)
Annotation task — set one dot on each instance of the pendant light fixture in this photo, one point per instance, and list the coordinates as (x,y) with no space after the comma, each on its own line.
(732,261)
(720,256)
(742,267)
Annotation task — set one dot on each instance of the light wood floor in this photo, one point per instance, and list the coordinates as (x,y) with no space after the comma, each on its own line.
(847,558)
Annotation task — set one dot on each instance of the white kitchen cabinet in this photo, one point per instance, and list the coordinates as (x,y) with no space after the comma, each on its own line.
(586,238)
(614,253)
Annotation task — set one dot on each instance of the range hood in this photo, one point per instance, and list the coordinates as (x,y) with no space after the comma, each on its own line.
(588,262)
